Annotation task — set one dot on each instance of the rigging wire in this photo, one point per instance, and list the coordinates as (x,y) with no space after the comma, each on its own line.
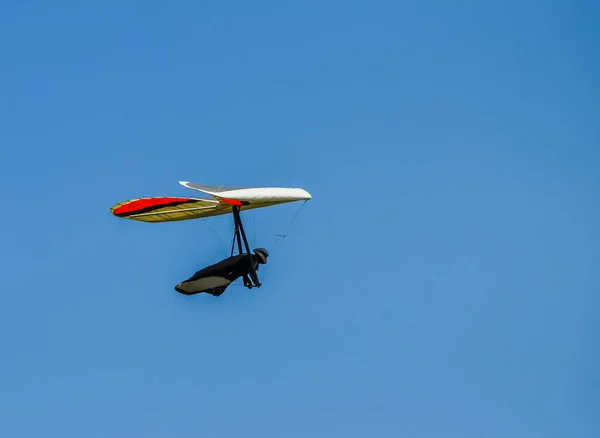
(214,233)
(279,238)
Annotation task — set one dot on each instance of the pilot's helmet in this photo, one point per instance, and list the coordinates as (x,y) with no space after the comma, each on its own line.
(262,255)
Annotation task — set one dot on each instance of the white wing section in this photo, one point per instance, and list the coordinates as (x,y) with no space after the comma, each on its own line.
(260,195)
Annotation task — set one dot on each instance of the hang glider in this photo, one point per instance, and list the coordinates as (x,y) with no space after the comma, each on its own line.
(223,201)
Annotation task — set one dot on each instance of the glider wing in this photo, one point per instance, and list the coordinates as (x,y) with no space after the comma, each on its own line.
(169,209)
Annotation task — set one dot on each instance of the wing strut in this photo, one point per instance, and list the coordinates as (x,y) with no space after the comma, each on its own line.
(239,231)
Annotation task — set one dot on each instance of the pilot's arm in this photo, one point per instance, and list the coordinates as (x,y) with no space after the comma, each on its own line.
(247,281)
(253,268)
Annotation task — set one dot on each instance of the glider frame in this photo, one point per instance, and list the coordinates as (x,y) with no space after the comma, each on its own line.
(240,232)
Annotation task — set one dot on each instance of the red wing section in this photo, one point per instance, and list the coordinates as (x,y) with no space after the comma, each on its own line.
(147,205)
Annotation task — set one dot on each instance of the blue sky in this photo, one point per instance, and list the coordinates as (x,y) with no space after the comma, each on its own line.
(442,281)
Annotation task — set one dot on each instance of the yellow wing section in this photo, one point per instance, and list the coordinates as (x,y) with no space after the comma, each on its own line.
(168,209)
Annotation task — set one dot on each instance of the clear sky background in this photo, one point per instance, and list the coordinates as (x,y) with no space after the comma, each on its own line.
(442,282)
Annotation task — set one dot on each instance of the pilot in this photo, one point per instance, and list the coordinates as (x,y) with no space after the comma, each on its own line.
(214,279)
